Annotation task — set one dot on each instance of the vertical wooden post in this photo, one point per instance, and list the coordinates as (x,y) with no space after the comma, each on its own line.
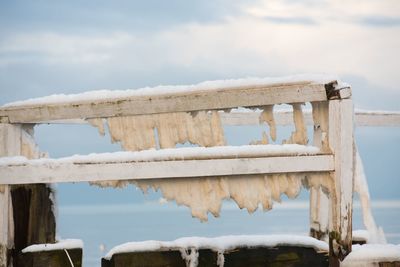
(26,210)
(319,202)
(341,197)
(10,145)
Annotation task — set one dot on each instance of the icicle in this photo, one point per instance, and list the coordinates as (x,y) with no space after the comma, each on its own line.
(167,127)
(299,136)
(320,118)
(191,259)
(134,132)
(203,195)
(217,129)
(321,180)
(110,183)
(376,234)
(98,123)
(268,116)
(29,149)
(263,141)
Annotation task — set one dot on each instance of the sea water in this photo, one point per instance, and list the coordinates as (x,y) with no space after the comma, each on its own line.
(102,227)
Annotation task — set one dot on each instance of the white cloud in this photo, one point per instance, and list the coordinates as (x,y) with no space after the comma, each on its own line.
(242,44)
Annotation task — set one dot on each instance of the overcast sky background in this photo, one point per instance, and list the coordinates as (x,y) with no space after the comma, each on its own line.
(49,47)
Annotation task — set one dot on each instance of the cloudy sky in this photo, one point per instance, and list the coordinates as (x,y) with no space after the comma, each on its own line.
(49,47)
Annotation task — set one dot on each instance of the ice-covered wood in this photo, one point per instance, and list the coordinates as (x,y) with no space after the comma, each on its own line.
(375,118)
(371,255)
(61,244)
(319,202)
(218,95)
(221,243)
(299,136)
(10,145)
(341,197)
(53,171)
(142,132)
(267,115)
(205,195)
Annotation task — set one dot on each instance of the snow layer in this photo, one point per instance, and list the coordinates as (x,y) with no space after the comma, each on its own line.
(371,254)
(162,90)
(183,153)
(62,244)
(220,244)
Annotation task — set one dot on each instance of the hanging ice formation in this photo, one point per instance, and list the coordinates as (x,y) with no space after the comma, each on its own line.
(205,195)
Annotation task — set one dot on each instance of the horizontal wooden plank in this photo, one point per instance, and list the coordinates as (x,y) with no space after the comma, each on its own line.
(237,118)
(283,117)
(231,97)
(377,118)
(78,172)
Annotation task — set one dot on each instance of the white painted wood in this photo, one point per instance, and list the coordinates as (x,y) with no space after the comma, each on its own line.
(341,143)
(10,145)
(248,96)
(362,118)
(79,172)
(284,117)
(319,203)
(377,118)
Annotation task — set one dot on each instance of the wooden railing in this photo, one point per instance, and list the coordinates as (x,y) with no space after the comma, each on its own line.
(335,157)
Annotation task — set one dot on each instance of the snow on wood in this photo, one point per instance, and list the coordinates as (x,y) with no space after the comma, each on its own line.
(176,89)
(53,172)
(361,235)
(341,198)
(204,96)
(370,255)
(61,244)
(182,153)
(219,244)
(10,145)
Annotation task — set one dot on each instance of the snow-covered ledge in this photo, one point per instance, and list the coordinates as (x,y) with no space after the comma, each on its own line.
(61,244)
(371,255)
(220,244)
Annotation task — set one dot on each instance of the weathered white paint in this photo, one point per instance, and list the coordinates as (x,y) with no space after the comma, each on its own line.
(341,199)
(54,172)
(10,145)
(319,203)
(282,117)
(230,97)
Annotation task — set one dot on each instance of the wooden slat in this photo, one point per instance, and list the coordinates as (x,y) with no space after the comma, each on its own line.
(362,118)
(341,199)
(78,172)
(248,96)
(238,118)
(371,118)
(10,145)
